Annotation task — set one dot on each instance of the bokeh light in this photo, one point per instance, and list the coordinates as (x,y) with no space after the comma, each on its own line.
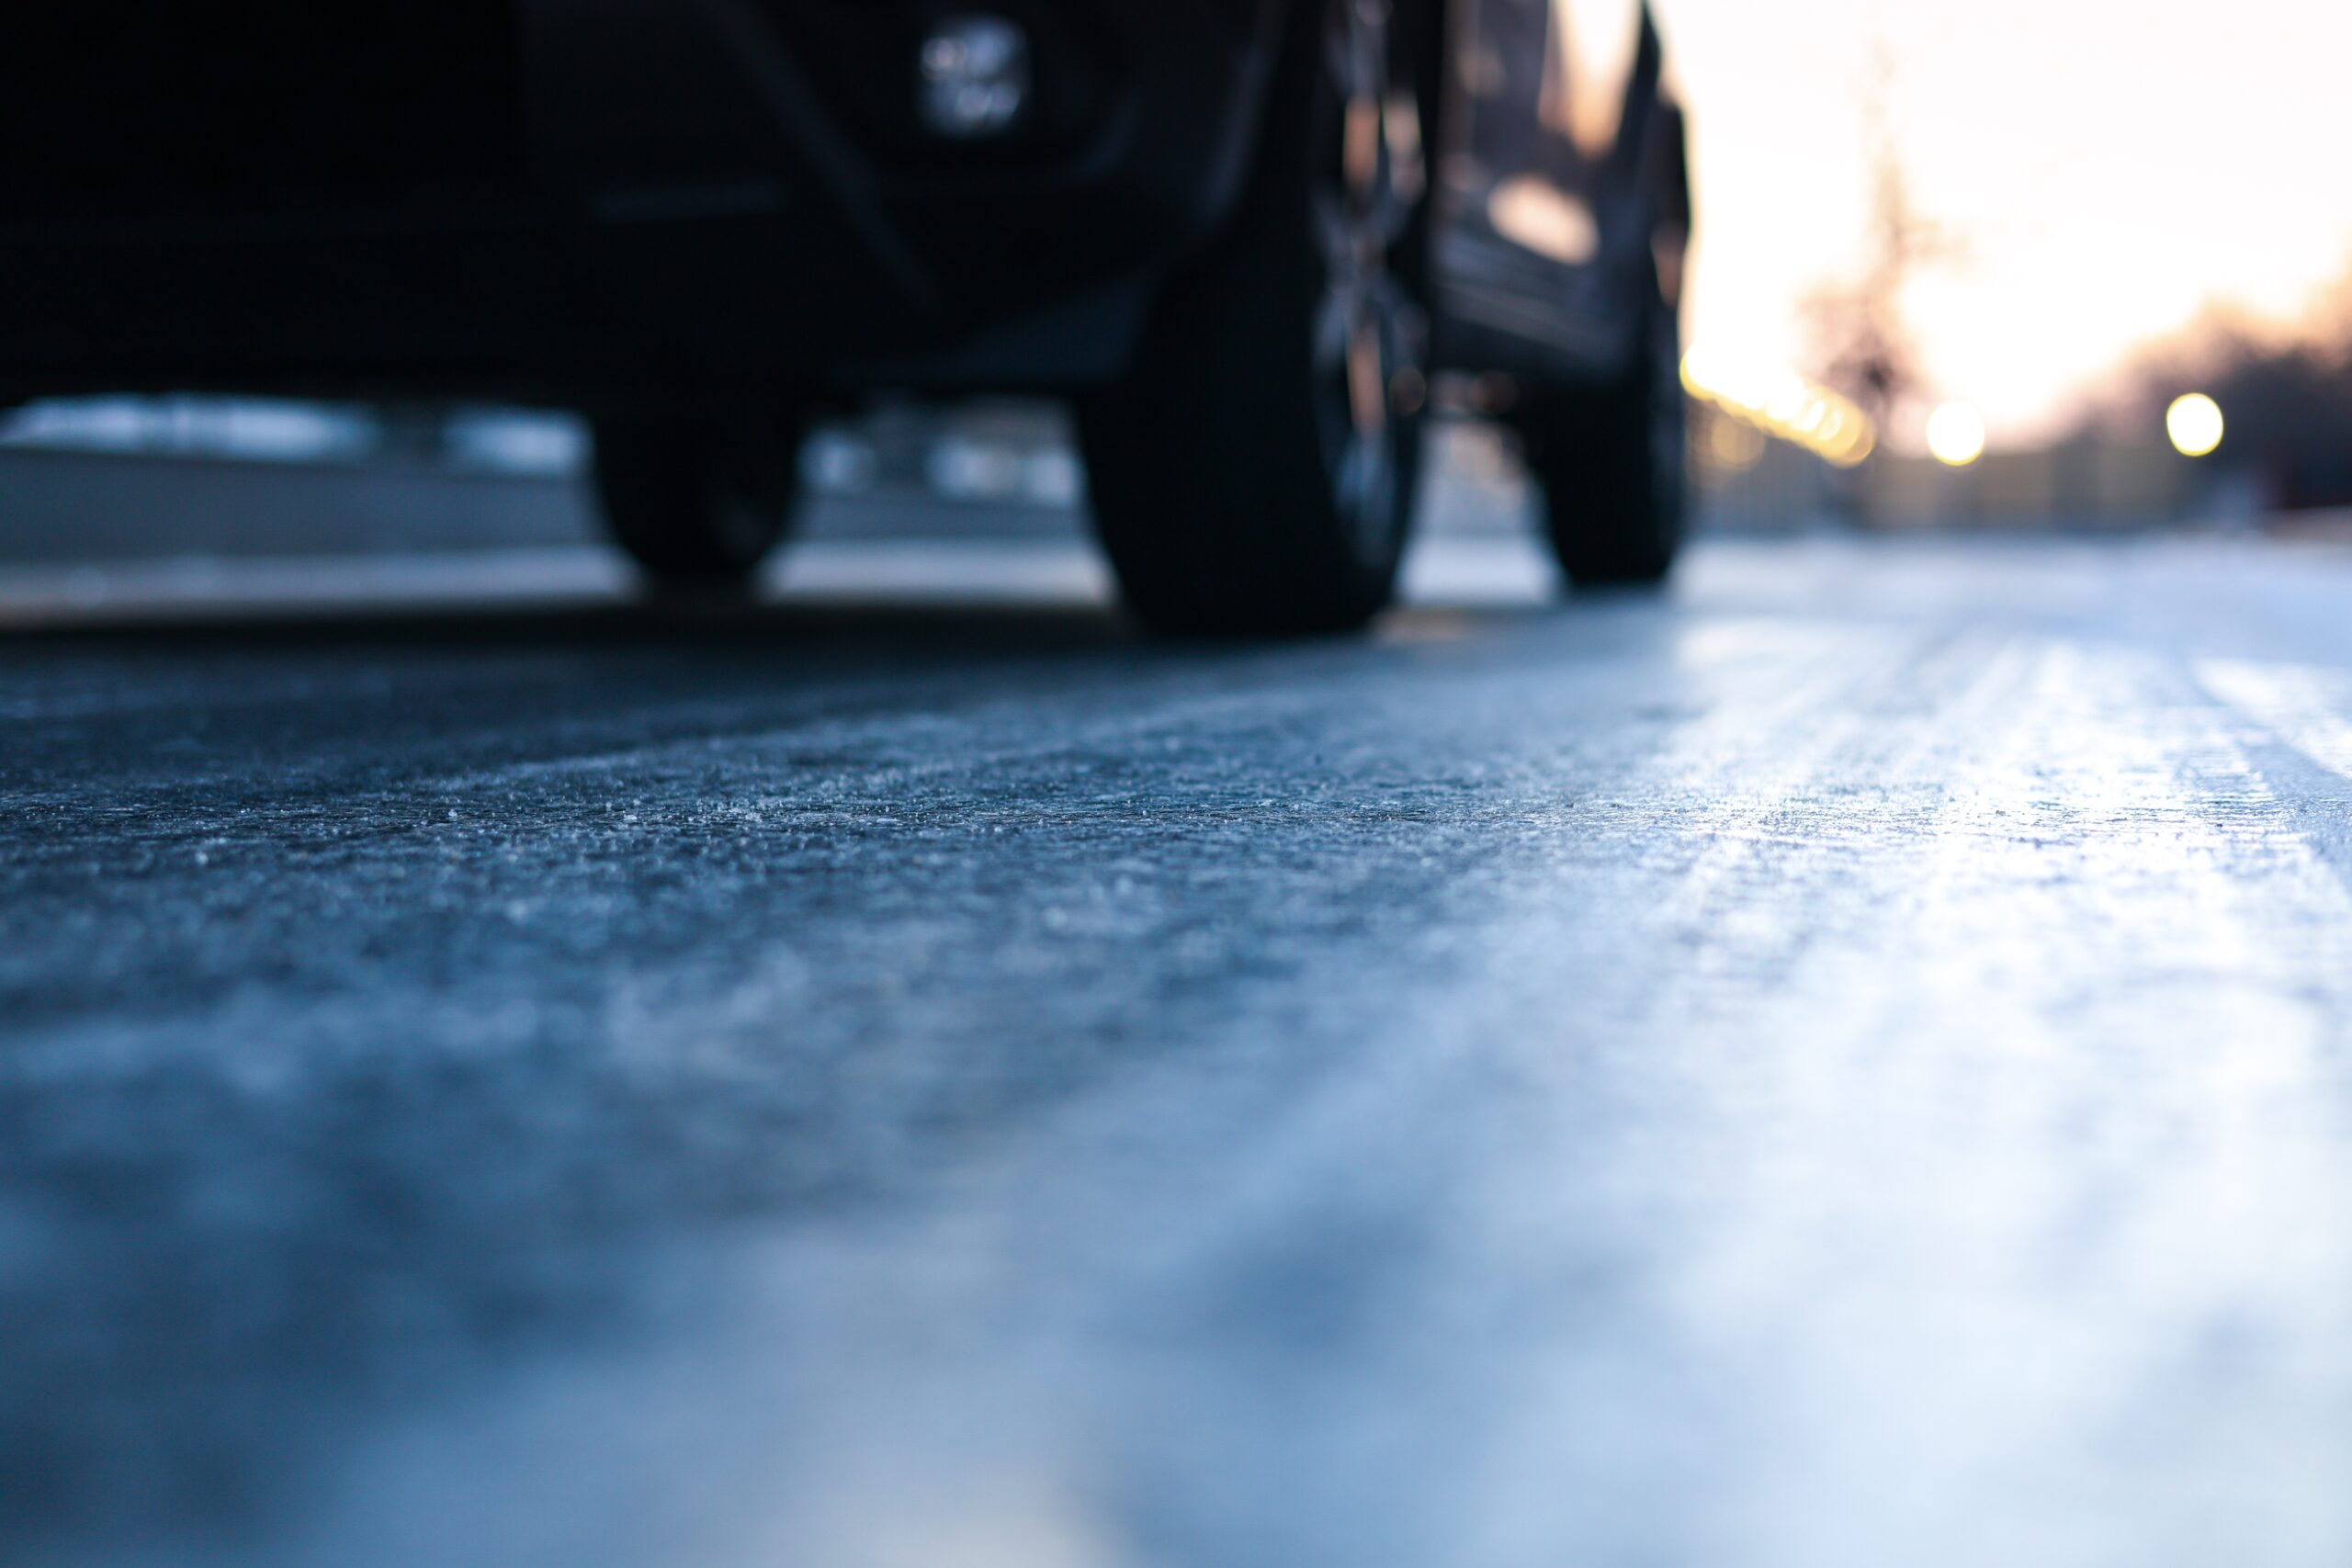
(1956,435)
(2195,424)
(1782,404)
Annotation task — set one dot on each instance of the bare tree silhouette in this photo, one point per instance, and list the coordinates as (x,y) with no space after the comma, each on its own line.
(1861,343)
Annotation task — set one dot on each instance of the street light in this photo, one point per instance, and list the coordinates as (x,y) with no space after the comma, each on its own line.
(2195,424)
(1956,435)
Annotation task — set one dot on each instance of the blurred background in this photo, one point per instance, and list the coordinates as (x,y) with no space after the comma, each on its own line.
(2018,234)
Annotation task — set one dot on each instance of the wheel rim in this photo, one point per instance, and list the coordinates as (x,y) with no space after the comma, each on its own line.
(1370,335)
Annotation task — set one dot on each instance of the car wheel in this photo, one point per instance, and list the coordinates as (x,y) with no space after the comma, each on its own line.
(1255,472)
(697,501)
(1612,463)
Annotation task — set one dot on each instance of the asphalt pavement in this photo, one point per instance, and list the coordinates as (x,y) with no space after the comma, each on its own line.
(1846,1062)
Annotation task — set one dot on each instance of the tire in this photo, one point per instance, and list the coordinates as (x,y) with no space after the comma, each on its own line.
(697,501)
(1612,463)
(1254,474)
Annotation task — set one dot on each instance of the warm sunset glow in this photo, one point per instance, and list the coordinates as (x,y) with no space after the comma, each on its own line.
(2093,210)
(1956,435)
(2195,424)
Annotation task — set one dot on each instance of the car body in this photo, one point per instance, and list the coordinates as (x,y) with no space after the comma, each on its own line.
(686,216)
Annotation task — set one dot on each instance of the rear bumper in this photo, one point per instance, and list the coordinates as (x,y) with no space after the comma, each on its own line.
(649,197)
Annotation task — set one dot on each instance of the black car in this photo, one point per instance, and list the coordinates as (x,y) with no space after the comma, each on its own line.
(1241,235)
